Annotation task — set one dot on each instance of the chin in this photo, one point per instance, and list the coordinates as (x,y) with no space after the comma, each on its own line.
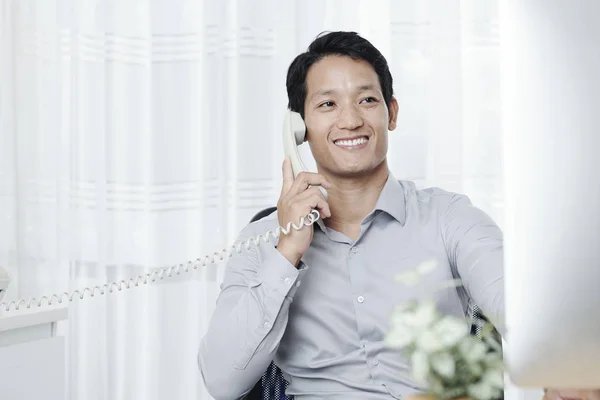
(355,171)
(348,167)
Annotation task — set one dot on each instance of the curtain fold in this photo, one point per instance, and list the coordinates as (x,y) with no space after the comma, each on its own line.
(137,135)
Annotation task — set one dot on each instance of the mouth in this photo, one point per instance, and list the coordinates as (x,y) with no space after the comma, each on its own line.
(352,144)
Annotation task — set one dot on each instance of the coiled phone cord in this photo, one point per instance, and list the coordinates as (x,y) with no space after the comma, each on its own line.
(310,219)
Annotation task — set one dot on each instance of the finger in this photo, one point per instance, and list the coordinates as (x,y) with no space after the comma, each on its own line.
(306,179)
(322,206)
(316,201)
(288,176)
(310,192)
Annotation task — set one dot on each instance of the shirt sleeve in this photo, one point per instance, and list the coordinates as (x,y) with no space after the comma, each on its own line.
(475,247)
(249,320)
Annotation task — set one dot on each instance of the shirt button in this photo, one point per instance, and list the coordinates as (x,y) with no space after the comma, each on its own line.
(297,283)
(360,299)
(354,250)
(375,362)
(267,325)
(287,281)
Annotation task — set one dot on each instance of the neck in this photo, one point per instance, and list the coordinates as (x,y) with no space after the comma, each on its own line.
(352,199)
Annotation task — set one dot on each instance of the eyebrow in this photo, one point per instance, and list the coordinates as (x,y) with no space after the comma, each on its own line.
(362,88)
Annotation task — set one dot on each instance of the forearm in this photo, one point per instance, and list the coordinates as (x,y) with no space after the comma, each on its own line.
(247,326)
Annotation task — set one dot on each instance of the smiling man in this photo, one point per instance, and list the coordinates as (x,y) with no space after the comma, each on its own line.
(318,302)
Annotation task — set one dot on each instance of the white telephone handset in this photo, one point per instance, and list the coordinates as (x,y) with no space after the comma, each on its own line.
(294,132)
(4,281)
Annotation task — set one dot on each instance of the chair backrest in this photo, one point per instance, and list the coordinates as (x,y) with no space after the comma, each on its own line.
(263,213)
(272,384)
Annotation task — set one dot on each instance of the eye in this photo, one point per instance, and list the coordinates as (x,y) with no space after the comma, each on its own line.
(370,100)
(326,104)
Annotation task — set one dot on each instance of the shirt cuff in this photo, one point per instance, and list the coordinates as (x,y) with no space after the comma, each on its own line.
(279,275)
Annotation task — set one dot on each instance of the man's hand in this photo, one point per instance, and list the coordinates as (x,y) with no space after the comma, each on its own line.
(297,200)
(561,394)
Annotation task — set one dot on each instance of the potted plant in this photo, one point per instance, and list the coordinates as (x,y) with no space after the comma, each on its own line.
(444,356)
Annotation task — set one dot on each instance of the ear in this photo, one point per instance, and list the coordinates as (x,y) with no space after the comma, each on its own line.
(393,114)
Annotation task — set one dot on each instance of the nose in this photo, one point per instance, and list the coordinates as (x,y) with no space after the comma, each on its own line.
(349,118)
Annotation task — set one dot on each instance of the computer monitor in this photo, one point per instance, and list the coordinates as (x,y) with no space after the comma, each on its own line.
(551,104)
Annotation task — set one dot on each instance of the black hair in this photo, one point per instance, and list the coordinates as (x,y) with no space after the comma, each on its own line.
(335,43)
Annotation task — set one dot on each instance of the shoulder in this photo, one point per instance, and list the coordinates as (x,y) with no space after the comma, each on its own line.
(432,197)
(265,225)
(451,208)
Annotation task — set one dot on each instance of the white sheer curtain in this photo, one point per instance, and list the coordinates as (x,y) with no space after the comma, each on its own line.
(141,134)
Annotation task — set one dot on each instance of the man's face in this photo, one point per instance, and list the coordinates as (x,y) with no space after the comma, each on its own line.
(346,117)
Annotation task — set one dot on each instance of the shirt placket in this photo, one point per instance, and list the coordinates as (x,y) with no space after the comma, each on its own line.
(357,271)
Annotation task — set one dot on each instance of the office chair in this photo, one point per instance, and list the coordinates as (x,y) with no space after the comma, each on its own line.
(272,384)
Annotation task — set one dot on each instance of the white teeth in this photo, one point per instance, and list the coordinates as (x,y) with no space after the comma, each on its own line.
(354,142)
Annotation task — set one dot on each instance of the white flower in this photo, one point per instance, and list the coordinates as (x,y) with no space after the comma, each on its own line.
(472,349)
(475,369)
(400,337)
(427,267)
(429,342)
(409,323)
(409,278)
(494,377)
(482,391)
(450,331)
(423,316)
(420,367)
(420,324)
(436,385)
(494,359)
(443,364)
(412,277)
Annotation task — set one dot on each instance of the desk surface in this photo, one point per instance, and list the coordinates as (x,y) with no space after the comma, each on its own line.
(10,320)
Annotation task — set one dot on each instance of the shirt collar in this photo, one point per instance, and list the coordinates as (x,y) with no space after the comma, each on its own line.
(391,200)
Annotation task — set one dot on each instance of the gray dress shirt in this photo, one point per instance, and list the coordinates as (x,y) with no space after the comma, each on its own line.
(324,323)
